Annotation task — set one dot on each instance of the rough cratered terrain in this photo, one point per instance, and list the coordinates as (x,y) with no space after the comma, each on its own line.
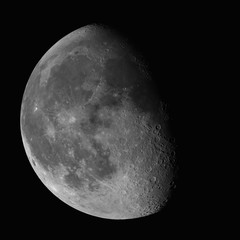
(94,127)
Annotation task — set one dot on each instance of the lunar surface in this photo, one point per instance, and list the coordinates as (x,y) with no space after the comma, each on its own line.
(95,129)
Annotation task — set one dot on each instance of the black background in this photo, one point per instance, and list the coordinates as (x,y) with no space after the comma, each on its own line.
(173,41)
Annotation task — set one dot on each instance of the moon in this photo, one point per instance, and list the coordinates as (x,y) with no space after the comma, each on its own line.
(94,127)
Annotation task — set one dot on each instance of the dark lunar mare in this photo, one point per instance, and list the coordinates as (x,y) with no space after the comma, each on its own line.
(63,81)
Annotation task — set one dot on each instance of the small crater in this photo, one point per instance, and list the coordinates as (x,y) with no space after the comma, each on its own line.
(71,153)
(34,163)
(93,185)
(78,51)
(153,179)
(124,192)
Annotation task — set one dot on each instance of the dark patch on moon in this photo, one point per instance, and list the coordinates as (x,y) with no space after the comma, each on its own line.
(111,101)
(73,180)
(123,75)
(102,167)
(67,79)
(120,73)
